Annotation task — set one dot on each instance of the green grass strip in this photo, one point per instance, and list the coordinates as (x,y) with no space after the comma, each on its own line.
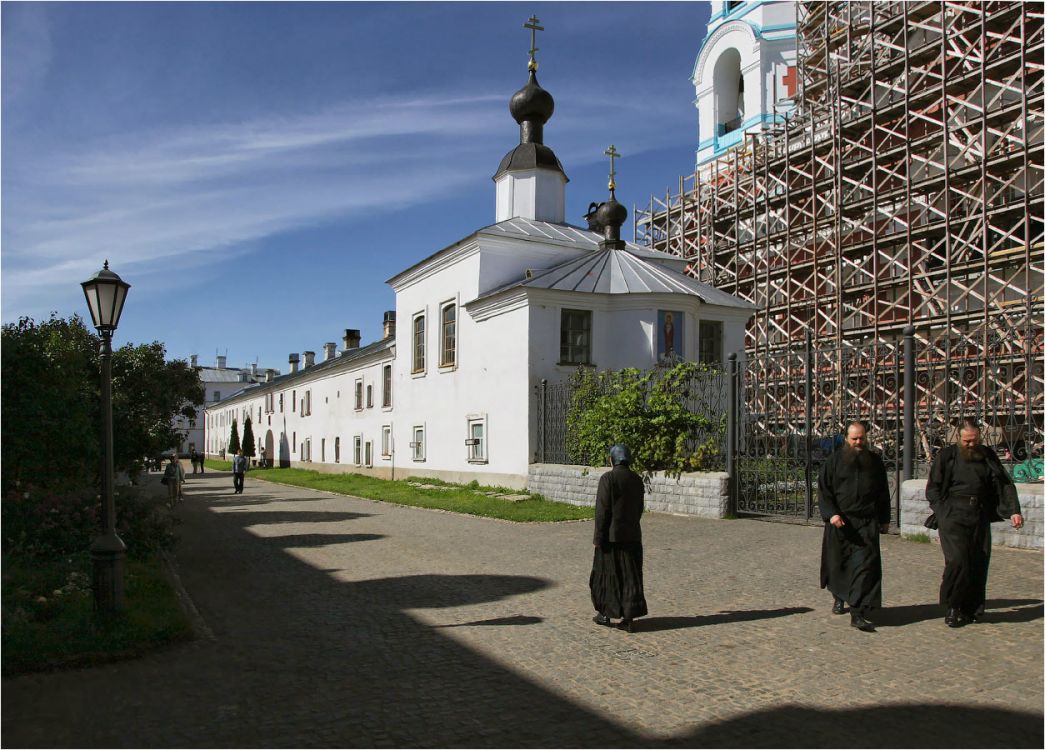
(451,497)
(49,619)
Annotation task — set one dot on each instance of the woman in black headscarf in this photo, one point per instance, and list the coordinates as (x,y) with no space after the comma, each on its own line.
(616,573)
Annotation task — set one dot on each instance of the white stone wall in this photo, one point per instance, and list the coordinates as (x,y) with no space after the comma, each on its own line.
(703,494)
(914,509)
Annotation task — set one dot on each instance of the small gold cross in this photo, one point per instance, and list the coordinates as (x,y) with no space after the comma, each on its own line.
(613,154)
(534,28)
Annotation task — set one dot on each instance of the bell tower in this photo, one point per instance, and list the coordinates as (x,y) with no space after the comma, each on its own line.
(745,74)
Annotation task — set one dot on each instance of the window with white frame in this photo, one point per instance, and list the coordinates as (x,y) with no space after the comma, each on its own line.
(357,450)
(711,341)
(294,401)
(448,335)
(306,450)
(575,337)
(370,397)
(386,440)
(368,453)
(359,394)
(386,386)
(337,450)
(308,402)
(476,440)
(323,450)
(417,443)
(217,395)
(418,362)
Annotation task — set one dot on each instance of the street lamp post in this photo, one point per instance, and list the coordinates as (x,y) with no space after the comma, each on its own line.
(105,293)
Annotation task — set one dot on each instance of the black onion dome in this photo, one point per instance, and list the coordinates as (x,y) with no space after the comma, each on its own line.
(531,103)
(611,213)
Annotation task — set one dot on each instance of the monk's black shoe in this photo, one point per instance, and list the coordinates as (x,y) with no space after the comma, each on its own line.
(627,625)
(839,607)
(601,619)
(955,618)
(861,623)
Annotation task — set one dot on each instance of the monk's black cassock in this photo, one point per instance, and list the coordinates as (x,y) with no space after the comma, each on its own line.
(968,493)
(854,486)
(616,571)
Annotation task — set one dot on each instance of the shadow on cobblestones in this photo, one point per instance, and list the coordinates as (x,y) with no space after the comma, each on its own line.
(254,518)
(513,620)
(653,624)
(894,617)
(321,540)
(899,725)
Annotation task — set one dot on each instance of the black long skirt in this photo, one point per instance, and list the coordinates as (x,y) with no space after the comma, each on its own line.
(966,547)
(616,580)
(851,563)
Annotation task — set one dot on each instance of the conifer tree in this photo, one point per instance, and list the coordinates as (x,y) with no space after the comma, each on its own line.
(234,439)
(248,439)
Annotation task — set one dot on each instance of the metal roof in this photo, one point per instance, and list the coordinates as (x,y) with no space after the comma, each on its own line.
(614,271)
(566,234)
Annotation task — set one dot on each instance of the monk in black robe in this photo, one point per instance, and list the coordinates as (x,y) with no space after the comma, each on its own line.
(854,502)
(968,489)
(616,571)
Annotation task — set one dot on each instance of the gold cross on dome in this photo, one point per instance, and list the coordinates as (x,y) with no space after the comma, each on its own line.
(613,154)
(532,25)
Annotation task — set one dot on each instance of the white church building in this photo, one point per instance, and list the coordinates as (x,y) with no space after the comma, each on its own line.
(450,391)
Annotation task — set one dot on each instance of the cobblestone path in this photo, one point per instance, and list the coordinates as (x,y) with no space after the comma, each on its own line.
(333,621)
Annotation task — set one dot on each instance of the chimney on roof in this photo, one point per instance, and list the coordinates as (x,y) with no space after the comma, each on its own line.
(253,369)
(294,362)
(329,350)
(221,362)
(351,339)
(390,323)
(270,375)
(194,360)
(310,359)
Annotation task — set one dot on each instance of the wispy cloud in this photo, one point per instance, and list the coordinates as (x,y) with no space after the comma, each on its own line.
(142,198)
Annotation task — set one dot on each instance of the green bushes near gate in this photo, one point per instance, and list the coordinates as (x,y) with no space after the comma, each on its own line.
(647,411)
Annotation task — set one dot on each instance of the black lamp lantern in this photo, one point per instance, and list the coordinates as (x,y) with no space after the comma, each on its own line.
(106,293)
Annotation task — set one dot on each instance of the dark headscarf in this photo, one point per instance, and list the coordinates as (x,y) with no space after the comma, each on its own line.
(619,454)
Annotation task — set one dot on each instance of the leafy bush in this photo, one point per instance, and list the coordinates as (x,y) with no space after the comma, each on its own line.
(39,523)
(650,412)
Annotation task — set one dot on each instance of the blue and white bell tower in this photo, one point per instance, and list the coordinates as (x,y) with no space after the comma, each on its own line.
(745,75)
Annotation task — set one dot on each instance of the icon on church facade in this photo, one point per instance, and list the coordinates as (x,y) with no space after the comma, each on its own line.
(670,327)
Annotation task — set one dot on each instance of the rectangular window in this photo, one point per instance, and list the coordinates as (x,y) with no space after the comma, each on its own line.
(359,395)
(417,445)
(448,336)
(337,450)
(476,440)
(323,450)
(386,383)
(217,395)
(369,454)
(575,337)
(370,397)
(294,401)
(419,344)
(308,402)
(386,440)
(357,450)
(308,449)
(294,444)
(281,403)
(711,341)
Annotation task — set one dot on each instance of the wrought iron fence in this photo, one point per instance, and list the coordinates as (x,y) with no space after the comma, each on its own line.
(790,408)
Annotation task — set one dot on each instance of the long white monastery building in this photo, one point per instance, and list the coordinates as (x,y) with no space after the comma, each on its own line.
(450,391)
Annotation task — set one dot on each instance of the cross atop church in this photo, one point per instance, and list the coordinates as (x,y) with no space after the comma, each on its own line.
(613,154)
(532,25)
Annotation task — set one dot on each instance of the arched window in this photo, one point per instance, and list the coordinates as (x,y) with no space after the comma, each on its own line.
(729,93)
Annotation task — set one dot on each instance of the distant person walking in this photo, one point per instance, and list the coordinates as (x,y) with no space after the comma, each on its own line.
(854,503)
(239,469)
(262,457)
(173,476)
(616,572)
(194,457)
(968,489)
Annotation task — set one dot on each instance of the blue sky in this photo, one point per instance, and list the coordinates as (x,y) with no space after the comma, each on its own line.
(256,171)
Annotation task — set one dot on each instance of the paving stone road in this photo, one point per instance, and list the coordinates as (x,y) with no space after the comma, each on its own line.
(335,622)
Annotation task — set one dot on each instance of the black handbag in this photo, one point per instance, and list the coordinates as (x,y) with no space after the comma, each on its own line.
(931,522)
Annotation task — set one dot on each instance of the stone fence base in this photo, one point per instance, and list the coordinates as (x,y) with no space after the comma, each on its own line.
(703,494)
(914,509)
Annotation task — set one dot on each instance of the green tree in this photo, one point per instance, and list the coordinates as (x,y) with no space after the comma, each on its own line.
(650,412)
(50,383)
(248,439)
(234,439)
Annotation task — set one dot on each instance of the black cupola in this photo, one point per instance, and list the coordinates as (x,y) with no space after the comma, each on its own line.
(531,107)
